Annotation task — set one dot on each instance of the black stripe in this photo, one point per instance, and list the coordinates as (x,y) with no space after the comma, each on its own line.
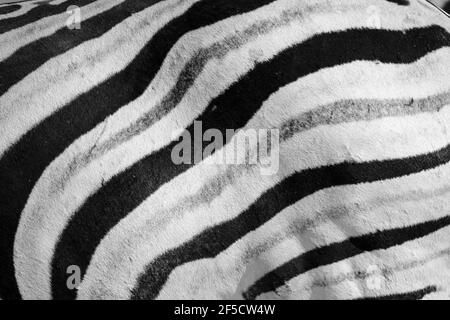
(23,164)
(340,251)
(41,11)
(9,9)
(300,185)
(400,2)
(231,110)
(30,57)
(447,7)
(414,295)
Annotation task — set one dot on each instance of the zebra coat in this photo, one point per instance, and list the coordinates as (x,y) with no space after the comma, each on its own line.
(444,4)
(95,95)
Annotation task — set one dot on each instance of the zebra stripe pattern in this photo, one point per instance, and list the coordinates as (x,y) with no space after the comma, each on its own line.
(443,4)
(88,118)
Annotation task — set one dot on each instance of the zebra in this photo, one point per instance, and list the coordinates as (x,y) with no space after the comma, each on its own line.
(96,94)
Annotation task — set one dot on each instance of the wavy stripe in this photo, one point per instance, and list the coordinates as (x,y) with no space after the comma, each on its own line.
(153,220)
(61,80)
(399,274)
(50,186)
(216,239)
(9,9)
(101,102)
(327,50)
(125,132)
(158,225)
(186,80)
(327,21)
(28,58)
(294,231)
(22,36)
(36,13)
(342,250)
(54,214)
(25,7)
(337,223)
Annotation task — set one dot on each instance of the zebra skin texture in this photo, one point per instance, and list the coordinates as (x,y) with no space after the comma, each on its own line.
(444,4)
(89,117)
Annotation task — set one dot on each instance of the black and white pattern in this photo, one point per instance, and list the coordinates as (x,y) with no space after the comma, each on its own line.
(444,4)
(360,91)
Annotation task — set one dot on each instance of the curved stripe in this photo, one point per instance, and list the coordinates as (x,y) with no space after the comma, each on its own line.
(186,78)
(22,36)
(286,236)
(338,223)
(9,8)
(28,58)
(42,222)
(45,101)
(21,166)
(231,110)
(342,250)
(40,11)
(216,239)
(150,220)
(32,250)
(66,77)
(189,76)
(25,7)
(402,272)
(363,110)
(28,5)
(159,225)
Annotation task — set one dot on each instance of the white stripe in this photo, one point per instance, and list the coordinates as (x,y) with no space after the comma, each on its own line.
(156,17)
(19,37)
(336,221)
(24,8)
(405,262)
(57,213)
(45,235)
(149,233)
(369,146)
(63,78)
(29,279)
(52,89)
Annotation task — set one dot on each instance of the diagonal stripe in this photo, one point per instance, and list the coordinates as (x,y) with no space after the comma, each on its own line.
(22,165)
(394,270)
(320,18)
(298,186)
(184,83)
(231,110)
(25,256)
(340,251)
(63,79)
(20,37)
(162,222)
(46,220)
(291,233)
(41,11)
(9,9)
(28,58)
